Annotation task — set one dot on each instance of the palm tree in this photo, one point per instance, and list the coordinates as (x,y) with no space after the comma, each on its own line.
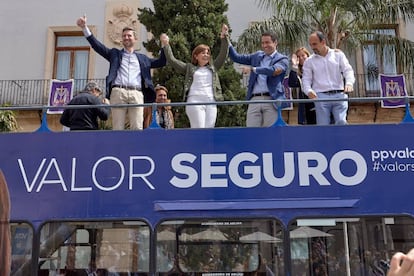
(347,24)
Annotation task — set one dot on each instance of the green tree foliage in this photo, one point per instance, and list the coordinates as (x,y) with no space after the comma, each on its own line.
(8,120)
(347,24)
(189,23)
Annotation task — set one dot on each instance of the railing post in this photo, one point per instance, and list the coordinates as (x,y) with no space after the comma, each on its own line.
(408,118)
(154,124)
(43,125)
(279,121)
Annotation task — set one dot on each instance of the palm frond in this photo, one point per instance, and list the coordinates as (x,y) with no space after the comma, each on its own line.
(250,40)
(346,23)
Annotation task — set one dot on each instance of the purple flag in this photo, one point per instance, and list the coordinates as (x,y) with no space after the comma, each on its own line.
(392,86)
(60,94)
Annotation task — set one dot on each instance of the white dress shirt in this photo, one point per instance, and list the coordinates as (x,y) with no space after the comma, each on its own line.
(327,73)
(129,73)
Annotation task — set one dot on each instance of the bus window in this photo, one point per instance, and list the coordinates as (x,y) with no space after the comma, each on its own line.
(76,248)
(21,242)
(234,247)
(348,246)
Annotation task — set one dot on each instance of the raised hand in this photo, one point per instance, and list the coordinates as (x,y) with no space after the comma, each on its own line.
(165,40)
(81,22)
(295,61)
(224,31)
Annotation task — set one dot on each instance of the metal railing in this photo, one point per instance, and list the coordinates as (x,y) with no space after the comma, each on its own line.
(36,92)
(407,118)
(33,92)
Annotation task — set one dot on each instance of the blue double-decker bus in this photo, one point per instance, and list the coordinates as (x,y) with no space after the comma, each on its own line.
(284,200)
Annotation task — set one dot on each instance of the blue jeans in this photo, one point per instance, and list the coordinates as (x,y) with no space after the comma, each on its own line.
(338,109)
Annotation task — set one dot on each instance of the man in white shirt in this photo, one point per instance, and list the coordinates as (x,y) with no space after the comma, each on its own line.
(327,74)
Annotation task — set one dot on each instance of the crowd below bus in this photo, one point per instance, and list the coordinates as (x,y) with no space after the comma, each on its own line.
(325,74)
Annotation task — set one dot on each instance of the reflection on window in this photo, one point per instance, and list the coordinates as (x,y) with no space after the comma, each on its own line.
(377,60)
(360,246)
(72,59)
(220,246)
(100,247)
(21,242)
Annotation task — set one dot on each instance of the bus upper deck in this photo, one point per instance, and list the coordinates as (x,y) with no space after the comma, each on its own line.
(296,200)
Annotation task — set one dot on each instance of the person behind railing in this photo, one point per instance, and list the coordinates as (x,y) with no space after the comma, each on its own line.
(265,81)
(129,79)
(201,83)
(164,115)
(306,111)
(86,118)
(323,78)
(402,264)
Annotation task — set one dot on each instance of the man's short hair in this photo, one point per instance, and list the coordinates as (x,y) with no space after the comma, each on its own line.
(320,35)
(272,35)
(127,28)
(90,86)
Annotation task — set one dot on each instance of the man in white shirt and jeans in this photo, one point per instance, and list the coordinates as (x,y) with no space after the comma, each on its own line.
(327,74)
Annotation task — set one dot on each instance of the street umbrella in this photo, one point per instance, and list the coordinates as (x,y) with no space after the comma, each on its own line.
(307,232)
(259,236)
(166,235)
(209,234)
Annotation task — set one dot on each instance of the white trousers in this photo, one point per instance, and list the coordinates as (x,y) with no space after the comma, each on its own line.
(201,116)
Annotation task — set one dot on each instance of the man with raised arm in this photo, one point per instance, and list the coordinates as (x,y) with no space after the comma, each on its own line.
(267,71)
(129,78)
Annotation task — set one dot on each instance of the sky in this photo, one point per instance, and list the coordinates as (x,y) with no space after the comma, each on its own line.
(242,12)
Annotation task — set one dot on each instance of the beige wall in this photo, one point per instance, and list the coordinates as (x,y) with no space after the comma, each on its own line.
(26,25)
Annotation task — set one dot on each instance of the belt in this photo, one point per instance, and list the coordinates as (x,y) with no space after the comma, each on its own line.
(261,94)
(333,91)
(127,87)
